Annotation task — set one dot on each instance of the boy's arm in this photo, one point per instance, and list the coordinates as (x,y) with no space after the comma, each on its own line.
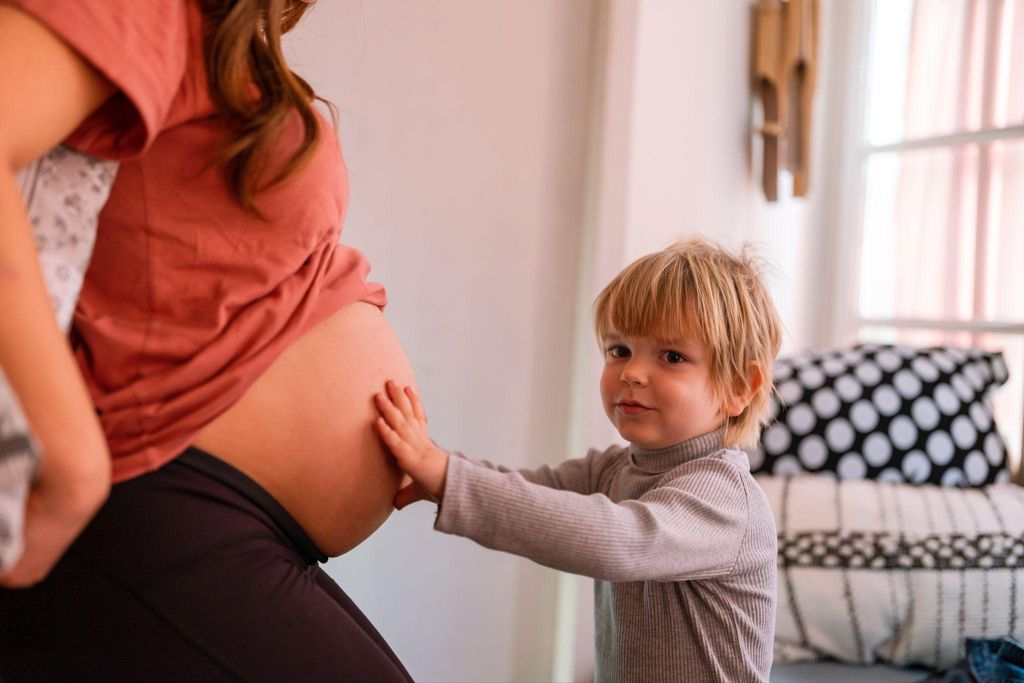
(690,528)
(402,426)
(572,475)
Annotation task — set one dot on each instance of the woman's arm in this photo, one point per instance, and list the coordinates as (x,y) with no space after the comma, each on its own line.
(46,91)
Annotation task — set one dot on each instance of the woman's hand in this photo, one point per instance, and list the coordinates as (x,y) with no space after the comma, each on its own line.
(403,427)
(55,513)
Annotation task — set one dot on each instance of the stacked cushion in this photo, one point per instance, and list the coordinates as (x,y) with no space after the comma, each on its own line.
(892,413)
(895,573)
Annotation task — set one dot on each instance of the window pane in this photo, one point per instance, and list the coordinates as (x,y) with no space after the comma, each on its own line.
(1004,281)
(1007,401)
(1009,109)
(926,67)
(917,247)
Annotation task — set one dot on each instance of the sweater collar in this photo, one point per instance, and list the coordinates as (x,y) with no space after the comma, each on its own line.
(658,460)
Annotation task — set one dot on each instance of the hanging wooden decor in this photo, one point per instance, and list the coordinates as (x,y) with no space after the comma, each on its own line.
(785,71)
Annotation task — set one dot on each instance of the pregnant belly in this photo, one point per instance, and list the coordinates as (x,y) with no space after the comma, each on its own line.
(304,431)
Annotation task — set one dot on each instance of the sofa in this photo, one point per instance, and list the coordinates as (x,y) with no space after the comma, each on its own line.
(900,531)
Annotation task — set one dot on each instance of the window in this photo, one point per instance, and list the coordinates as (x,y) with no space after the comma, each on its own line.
(936,195)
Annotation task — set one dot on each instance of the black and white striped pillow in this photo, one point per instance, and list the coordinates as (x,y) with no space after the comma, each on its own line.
(893,413)
(895,573)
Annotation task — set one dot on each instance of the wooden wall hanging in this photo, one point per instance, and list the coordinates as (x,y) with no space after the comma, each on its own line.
(785,70)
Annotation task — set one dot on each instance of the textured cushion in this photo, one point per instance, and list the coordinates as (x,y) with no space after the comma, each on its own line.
(894,413)
(894,573)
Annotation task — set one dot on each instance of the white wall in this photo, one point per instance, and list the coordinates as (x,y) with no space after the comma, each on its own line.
(695,166)
(506,159)
(462,124)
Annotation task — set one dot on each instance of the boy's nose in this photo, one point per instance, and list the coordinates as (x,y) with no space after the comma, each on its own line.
(632,373)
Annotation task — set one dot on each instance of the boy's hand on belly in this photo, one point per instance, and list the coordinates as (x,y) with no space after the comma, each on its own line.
(402,425)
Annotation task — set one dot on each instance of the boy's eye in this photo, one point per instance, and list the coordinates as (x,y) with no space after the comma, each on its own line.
(674,357)
(618,351)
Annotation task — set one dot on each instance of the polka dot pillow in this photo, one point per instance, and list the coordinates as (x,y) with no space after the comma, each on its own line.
(893,413)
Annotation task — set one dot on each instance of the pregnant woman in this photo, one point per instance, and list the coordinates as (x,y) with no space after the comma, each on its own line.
(231,346)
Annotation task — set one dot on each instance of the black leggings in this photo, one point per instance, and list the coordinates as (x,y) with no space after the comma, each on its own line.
(190,573)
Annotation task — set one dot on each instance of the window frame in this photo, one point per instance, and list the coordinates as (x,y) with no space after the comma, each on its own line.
(851,27)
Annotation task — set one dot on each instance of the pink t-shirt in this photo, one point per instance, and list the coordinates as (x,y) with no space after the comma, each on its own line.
(189,297)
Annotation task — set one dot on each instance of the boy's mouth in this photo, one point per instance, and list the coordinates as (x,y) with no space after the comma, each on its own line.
(631,407)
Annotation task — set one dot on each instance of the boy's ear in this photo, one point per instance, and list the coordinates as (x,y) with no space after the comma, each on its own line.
(740,397)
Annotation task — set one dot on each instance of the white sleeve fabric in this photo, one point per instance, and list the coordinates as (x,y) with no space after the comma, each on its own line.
(689,526)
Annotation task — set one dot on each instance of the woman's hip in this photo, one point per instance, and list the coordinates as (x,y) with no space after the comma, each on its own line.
(192,572)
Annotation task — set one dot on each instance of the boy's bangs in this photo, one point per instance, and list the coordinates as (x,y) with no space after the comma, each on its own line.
(662,311)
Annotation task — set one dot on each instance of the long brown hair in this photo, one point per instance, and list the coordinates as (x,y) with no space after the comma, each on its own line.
(254,90)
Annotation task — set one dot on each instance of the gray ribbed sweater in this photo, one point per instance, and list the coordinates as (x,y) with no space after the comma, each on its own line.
(680,541)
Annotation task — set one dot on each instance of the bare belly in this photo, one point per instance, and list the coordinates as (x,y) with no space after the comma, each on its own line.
(304,430)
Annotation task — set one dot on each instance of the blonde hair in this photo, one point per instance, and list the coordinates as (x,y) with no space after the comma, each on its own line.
(697,288)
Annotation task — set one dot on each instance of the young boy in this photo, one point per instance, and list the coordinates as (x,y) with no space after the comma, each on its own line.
(673,528)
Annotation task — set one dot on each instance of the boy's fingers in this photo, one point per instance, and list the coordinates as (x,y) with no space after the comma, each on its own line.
(388,410)
(399,398)
(391,438)
(384,429)
(417,405)
(406,496)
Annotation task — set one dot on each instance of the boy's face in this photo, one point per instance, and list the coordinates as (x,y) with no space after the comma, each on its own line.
(658,392)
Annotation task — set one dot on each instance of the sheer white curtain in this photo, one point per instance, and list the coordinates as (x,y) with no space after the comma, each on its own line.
(942,230)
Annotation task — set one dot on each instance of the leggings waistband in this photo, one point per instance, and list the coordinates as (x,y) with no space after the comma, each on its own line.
(215,468)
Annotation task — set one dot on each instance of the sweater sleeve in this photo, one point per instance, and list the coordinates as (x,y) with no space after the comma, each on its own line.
(689,527)
(577,474)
